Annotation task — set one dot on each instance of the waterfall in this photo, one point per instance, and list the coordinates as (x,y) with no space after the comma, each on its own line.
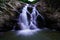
(23,21)
(28,27)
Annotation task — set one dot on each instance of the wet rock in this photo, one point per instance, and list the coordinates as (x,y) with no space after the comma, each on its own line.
(40,22)
(51,15)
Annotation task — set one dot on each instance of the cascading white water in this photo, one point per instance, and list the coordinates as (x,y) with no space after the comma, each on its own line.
(26,28)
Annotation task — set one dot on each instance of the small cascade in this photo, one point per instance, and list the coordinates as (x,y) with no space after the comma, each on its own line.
(28,27)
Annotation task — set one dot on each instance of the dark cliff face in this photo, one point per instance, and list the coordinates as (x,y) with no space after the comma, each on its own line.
(51,12)
(9,14)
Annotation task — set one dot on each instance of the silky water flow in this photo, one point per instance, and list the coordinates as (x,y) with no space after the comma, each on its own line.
(28,27)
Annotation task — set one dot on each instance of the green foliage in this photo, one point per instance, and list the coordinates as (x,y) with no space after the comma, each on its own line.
(2,2)
(26,1)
